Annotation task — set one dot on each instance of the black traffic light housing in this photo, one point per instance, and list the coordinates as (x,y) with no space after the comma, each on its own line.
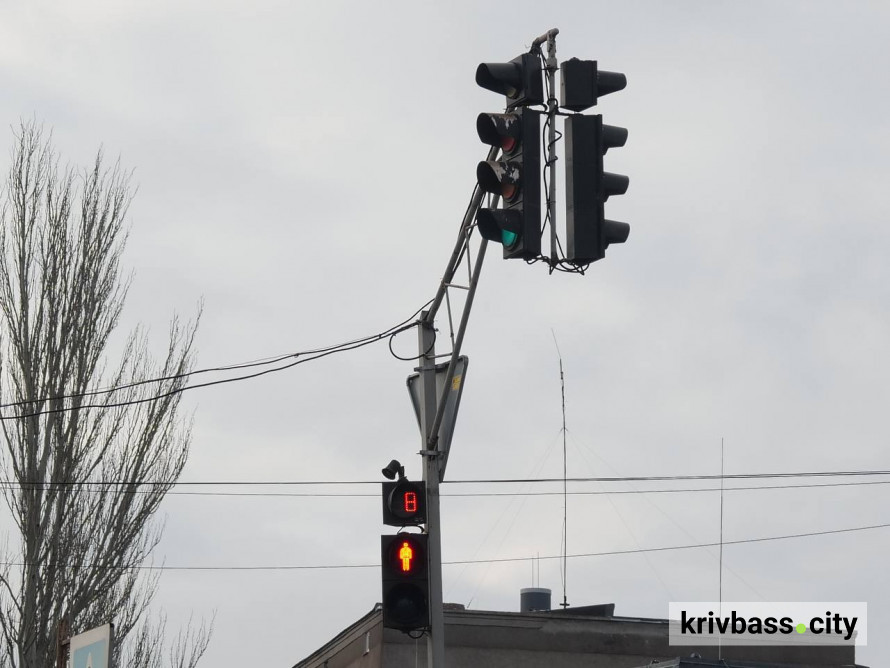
(588,233)
(405,584)
(520,79)
(404,503)
(581,83)
(516,177)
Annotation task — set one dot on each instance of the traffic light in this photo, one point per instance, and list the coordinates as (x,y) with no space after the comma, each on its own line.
(581,83)
(520,79)
(405,584)
(588,186)
(516,177)
(404,503)
(588,233)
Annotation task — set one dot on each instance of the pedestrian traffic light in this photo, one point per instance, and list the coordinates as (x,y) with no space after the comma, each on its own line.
(405,584)
(516,177)
(404,503)
(520,79)
(588,232)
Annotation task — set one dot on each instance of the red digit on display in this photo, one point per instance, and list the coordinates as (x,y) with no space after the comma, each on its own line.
(410,499)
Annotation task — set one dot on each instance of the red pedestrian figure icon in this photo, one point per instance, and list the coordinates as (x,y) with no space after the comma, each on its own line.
(406,554)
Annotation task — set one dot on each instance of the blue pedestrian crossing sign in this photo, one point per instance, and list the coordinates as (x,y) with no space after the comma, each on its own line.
(92,649)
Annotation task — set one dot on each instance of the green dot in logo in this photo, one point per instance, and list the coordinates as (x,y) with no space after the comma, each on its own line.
(801,628)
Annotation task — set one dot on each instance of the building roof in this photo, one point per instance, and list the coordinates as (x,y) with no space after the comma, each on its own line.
(556,639)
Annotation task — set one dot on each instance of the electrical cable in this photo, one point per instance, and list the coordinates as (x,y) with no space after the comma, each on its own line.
(101,485)
(413,357)
(302,357)
(178,390)
(582,447)
(524,494)
(607,553)
(552,111)
(117,388)
(662,478)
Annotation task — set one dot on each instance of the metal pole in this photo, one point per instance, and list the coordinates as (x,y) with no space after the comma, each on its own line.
(426,344)
(461,330)
(432,407)
(430,419)
(552,108)
(454,261)
(540,39)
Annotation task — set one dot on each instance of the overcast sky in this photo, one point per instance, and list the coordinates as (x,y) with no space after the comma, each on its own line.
(303,168)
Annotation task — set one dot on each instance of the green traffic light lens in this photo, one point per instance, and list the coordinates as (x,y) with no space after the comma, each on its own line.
(509,239)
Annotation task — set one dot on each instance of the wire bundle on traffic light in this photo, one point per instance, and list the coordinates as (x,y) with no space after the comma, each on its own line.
(516,176)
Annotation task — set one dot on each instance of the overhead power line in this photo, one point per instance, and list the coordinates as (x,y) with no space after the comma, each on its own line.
(365,495)
(693,546)
(859,483)
(607,553)
(491,481)
(665,478)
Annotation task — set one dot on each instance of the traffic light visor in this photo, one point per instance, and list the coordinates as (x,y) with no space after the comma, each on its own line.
(520,80)
(613,137)
(609,82)
(499,178)
(615,232)
(504,78)
(502,226)
(614,184)
(501,130)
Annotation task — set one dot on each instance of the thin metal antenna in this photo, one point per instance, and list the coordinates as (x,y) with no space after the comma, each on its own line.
(565,493)
(720,576)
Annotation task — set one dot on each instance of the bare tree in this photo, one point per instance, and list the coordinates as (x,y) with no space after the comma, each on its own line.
(84,469)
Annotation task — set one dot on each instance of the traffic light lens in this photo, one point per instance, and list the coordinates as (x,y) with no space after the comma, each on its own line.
(406,606)
(508,144)
(406,557)
(509,239)
(508,190)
